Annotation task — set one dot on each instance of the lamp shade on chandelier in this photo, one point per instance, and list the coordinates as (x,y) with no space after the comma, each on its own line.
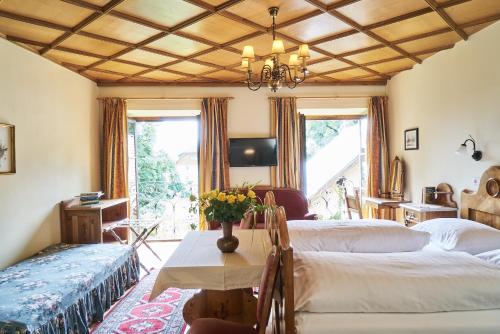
(274,73)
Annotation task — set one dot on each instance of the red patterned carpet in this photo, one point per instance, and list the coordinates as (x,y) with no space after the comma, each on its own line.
(134,314)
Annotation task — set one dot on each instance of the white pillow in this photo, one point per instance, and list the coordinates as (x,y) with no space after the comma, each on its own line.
(491,256)
(454,234)
(355,236)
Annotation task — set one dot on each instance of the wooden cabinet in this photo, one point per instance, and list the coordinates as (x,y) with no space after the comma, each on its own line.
(84,224)
(417,213)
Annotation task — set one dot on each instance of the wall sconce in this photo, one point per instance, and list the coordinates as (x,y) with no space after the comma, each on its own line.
(462,149)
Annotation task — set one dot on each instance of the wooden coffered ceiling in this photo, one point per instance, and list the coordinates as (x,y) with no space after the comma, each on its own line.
(199,42)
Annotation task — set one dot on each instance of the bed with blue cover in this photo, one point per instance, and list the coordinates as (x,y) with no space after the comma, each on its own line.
(64,288)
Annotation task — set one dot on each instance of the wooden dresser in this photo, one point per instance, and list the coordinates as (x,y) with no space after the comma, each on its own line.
(417,213)
(441,205)
(84,224)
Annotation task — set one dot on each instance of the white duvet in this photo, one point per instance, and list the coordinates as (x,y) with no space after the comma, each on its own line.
(410,282)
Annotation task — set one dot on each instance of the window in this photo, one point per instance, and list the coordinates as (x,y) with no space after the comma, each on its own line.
(335,146)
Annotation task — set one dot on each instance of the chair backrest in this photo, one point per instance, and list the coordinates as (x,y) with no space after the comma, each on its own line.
(285,300)
(266,289)
(269,199)
(353,204)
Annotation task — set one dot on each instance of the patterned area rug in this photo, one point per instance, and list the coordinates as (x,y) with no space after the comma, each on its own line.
(134,314)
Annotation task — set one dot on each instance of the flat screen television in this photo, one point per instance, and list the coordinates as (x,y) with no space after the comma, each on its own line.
(250,152)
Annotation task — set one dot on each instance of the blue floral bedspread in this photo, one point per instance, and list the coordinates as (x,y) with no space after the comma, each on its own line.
(64,288)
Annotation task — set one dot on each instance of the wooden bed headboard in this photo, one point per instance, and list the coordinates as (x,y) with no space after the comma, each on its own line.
(483,206)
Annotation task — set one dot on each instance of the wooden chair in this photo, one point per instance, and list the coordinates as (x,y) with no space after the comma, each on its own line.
(264,303)
(248,220)
(353,204)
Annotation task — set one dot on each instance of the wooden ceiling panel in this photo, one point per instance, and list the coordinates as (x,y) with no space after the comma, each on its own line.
(113,27)
(431,42)
(257,10)
(226,76)
(67,57)
(473,10)
(379,54)
(262,44)
(98,76)
(121,67)
(349,43)
(215,2)
(112,45)
(162,75)
(178,45)
(79,42)
(348,75)
(189,67)
(49,10)
(366,12)
(418,25)
(145,57)
(29,31)
(167,13)
(393,66)
(99,3)
(315,28)
(327,66)
(472,30)
(218,29)
(221,57)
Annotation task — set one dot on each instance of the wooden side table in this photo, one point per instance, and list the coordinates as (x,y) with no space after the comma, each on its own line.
(385,204)
(83,224)
(417,213)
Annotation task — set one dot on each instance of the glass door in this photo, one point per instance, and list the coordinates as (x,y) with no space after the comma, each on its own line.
(163,172)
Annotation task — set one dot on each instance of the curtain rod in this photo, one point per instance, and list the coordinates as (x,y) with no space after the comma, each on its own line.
(338,97)
(168,98)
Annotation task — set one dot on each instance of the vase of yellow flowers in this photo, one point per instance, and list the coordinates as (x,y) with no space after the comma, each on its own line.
(226,207)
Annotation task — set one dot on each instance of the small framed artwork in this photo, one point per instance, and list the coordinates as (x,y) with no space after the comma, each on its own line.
(411,139)
(7,149)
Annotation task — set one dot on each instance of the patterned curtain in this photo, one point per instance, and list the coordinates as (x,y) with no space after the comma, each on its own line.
(213,152)
(115,158)
(377,149)
(286,127)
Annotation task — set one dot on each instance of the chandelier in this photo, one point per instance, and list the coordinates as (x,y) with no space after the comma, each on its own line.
(273,72)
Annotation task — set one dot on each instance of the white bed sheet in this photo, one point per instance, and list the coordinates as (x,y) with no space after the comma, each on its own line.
(463,322)
(411,282)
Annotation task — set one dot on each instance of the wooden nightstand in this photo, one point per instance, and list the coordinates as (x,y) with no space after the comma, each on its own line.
(417,213)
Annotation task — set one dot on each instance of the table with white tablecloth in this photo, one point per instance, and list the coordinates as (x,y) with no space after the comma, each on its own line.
(197,263)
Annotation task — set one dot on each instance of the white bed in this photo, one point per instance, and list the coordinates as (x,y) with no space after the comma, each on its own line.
(430,292)
(455,298)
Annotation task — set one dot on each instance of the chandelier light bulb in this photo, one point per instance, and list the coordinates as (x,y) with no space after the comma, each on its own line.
(270,63)
(304,51)
(293,60)
(278,47)
(248,52)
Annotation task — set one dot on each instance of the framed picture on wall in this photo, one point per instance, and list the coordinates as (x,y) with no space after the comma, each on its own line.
(7,149)
(411,139)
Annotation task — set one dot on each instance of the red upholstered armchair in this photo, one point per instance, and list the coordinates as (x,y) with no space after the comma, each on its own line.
(294,201)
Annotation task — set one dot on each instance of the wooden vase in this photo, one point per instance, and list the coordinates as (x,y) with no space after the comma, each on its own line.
(228,242)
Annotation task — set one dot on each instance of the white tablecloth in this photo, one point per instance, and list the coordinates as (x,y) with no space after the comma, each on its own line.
(198,264)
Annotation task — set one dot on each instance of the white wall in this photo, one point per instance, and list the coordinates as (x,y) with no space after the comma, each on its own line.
(248,111)
(451,95)
(57,145)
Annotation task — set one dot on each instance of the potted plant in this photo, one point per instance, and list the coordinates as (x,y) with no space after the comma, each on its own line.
(226,207)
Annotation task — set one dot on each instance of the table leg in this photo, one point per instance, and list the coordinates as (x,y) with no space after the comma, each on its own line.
(237,305)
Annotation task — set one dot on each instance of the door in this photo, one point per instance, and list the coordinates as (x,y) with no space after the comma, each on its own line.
(335,147)
(163,172)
